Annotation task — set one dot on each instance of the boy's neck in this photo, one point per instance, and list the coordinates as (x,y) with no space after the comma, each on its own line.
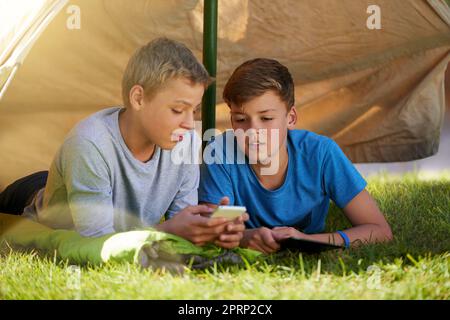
(275,180)
(141,149)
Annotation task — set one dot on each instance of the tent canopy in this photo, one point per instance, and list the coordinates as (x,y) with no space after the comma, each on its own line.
(379,93)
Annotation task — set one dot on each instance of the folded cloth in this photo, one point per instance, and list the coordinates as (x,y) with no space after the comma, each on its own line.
(146,247)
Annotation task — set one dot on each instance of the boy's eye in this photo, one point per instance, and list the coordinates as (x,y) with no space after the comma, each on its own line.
(239,119)
(176,111)
(267,118)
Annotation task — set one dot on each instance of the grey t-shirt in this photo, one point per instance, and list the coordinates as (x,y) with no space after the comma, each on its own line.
(96,186)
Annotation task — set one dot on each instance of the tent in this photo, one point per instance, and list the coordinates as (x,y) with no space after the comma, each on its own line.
(380,93)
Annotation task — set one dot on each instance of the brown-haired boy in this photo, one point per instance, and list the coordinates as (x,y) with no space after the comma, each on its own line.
(306,170)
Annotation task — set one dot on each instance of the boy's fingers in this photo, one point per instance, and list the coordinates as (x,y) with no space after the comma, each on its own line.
(256,246)
(241,219)
(210,227)
(202,208)
(224,201)
(203,238)
(266,248)
(206,222)
(262,248)
(235,227)
(279,232)
(280,236)
(226,245)
(257,243)
(218,229)
(235,237)
(237,224)
(269,241)
(205,214)
(280,228)
(214,222)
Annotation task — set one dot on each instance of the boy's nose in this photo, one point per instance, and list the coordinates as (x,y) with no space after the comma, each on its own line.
(256,125)
(257,134)
(188,122)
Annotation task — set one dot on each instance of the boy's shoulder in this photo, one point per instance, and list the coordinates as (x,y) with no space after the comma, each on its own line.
(309,142)
(90,137)
(96,127)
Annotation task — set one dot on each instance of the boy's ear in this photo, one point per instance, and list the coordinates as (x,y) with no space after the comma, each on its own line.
(136,97)
(292,117)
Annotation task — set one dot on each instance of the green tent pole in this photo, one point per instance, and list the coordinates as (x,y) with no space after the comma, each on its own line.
(210,62)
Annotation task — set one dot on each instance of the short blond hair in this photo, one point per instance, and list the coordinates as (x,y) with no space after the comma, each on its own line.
(158,61)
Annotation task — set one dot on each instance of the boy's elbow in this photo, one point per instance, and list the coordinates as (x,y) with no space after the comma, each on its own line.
(386,232)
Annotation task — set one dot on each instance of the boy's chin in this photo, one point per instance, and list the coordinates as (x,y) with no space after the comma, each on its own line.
(168,145)
(260,160)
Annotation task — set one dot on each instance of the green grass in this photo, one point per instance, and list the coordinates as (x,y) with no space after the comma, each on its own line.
(416,265)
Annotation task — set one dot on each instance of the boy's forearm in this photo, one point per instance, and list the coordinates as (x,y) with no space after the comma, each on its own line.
(164,227)
(366,233)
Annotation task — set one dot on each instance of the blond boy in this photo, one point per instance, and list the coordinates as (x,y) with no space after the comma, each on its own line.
(114,172)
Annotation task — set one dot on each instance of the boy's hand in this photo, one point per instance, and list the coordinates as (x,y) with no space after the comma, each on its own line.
(261,239)
(281,233)
(191,225)
(233,233)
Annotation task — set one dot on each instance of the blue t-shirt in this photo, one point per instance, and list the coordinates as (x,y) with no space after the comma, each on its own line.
(317,171)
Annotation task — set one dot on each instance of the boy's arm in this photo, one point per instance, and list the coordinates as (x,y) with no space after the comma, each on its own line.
(186,218)
(369,224)
(345,186)
(88,183)
(187,194)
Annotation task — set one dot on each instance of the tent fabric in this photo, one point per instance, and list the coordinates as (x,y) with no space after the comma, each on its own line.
(147,247)
(20,28)
(379,93)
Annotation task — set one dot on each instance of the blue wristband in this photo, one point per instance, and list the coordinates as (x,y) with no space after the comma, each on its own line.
(346,239)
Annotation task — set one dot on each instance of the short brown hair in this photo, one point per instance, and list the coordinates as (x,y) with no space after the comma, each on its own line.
(156,62)
(255,77)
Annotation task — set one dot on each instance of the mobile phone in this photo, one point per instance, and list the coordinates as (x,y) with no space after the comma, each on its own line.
(307,246)
(229,212)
